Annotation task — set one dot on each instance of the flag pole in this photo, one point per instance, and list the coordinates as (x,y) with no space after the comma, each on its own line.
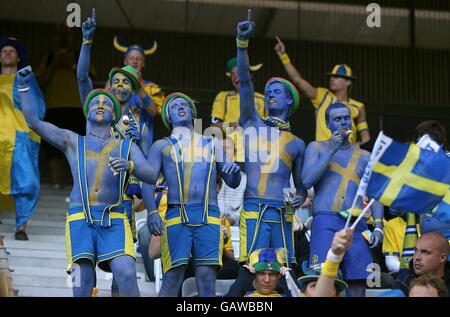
(362,213)
(347,223)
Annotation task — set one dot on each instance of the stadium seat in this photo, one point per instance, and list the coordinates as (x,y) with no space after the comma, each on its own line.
(189,288)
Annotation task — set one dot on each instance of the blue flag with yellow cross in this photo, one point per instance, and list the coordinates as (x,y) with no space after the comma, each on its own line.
(442,211)
(407,177)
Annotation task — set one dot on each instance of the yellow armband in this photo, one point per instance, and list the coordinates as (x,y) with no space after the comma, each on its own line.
(241,43)
(152,212)
(284,58)
(131,166)
(330,269)
(362,126)
(87,41)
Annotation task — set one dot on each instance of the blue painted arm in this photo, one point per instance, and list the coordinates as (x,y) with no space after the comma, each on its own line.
(84,82)
(297,171)
(84,61)
(145,170)
(229,170)
(59,138)
(316,162)
(148,194)
(377,213)
(246,91)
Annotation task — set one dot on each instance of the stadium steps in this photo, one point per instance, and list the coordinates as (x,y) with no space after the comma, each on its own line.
(38,265)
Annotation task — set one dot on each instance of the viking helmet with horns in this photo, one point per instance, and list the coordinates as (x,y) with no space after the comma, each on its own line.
(127,49)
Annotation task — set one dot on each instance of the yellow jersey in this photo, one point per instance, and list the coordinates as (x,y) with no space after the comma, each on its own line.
(394,234)
(226,106)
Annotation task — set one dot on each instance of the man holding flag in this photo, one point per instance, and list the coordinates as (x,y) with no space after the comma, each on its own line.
(19,146)
(335,169)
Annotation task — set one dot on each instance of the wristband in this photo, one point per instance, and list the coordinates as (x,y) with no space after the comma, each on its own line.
(87,41)
(333,257)
(378,221)
(378,229)
(362,126)
(131,166)
(23,89)
(241,43)
(330,269)
(151,213)
(285,59)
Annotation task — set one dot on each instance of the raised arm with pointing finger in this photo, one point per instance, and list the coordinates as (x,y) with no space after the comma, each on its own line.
(305,87)
(84,82)
(341,79)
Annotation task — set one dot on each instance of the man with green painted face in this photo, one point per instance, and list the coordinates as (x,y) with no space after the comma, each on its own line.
(97,225)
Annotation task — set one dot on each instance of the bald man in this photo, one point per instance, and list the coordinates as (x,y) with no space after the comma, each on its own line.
(430,257)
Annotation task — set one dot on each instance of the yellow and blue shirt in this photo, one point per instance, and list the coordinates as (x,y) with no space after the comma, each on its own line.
(226,106)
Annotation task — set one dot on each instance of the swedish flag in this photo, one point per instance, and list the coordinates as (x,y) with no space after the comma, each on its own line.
(19,149)
(409,178)
(442,211)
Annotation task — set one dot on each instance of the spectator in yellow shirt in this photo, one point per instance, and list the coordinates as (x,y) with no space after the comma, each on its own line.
(225,111)
(341,80)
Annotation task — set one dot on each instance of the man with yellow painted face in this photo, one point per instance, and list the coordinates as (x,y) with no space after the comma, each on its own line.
(190,163)
(125,83)
(97,225)
(272,155)
(335,168)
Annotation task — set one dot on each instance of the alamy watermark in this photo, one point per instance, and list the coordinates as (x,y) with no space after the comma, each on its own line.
(374,18)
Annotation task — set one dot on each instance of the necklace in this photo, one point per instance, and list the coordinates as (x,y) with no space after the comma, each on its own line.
(100,137)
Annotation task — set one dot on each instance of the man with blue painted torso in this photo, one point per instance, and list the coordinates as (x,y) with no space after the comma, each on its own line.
(125,84)
(97,225)
(189,163)
(334,168)
(272,154)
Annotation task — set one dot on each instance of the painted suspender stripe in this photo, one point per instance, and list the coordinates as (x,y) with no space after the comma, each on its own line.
(125,147)
(82,180)
(180,176)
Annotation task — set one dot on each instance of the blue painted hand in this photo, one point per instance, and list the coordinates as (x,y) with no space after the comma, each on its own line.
(336,141)
(155,224)
(132,130)
(88,26)
(230,168)
(119,164)
(23,76)
(376,238)
(245,28)
(297,201)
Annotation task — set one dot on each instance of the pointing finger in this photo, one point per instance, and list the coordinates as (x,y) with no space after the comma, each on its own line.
(94,15)
(249,15)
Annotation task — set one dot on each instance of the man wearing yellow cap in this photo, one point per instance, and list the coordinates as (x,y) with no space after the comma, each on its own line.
(340,81)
